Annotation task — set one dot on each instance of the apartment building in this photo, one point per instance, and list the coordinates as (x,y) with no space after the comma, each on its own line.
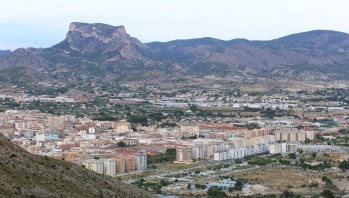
(189,131)
(120,164)
(109,167)
(282,148)
(290,135)
(130,163)
(96,165)
(184,153)
(141,162)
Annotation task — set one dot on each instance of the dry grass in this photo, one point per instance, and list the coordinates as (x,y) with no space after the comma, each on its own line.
(279,178)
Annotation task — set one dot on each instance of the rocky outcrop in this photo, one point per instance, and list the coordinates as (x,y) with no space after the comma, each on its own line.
(101,41)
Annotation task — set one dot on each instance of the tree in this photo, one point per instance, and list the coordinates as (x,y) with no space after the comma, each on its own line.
(164,182)
(238,161)
(307,141)
(199,186)
(230,189)
(168,124)
(288,194)
(292,156)
(240,184)
(193,108)
(138,119)
(269,113)
(216,192)
(189,186)
(121,144)
(327,194)
(328,181)
(157,116)
(344,165)
(252,126)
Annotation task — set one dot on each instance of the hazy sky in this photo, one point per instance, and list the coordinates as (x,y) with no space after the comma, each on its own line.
(43,23)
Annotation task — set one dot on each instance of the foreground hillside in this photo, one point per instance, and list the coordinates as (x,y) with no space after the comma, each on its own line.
(23,174)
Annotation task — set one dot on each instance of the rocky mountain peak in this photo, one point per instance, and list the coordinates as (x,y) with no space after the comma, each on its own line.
(102,32)
(106,41)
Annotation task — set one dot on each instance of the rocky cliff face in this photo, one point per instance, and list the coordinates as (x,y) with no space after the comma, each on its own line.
(27,175)
(105,42)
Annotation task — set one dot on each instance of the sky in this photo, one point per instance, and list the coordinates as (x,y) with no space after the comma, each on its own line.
(43,23)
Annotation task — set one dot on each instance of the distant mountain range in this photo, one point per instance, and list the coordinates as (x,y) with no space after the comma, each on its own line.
(4,52)
(27,175)
(108,53)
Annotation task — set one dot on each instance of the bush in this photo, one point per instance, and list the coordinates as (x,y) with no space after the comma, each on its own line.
(216,193)
(138,119)
(260,161)
(344,165)
(287,194)
(292,156)
(168,124)
(327,194)
(240,184)
(238,161)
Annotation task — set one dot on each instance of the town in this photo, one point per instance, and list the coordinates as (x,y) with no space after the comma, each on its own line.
(185,142)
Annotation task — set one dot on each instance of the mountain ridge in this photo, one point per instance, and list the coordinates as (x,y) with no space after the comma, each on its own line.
(4,52)
(109,53)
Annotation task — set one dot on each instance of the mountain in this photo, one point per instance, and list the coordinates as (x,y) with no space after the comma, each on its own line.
(108,43)
(315,48)
(26,175)
(107,53)
(4,52)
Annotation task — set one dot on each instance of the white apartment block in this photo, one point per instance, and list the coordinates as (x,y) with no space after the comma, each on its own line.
(282,148)
(101,166)
(220,156)
(95,165)
(141,161)
(198,152)
(237,153)
(109,167)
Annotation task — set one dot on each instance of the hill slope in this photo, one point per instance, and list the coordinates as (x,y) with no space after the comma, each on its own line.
(26,175)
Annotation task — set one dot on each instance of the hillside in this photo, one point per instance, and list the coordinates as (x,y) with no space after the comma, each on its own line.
(109,54)
(315,50)
(27,175)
